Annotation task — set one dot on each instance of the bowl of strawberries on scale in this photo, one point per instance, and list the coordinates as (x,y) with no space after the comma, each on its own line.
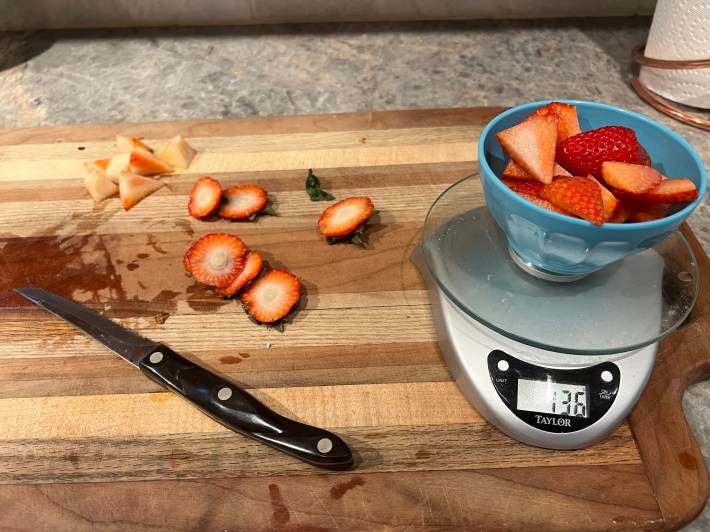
(579,185)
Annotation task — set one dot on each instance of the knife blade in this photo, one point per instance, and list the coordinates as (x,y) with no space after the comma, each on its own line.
(220,399)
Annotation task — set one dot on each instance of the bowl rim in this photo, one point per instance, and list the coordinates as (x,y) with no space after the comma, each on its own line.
(672,220)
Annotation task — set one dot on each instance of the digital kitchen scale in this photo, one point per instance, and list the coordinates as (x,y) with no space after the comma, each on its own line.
(553,364)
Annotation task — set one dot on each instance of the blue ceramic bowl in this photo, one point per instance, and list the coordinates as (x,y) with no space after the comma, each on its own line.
(571,246)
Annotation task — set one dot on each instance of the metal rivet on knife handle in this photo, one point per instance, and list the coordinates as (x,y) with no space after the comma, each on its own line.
(156,357)
(324,445)
(224,393)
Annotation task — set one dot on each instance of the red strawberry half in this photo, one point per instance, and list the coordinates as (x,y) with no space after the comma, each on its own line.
(578,195)
(252,267)
(270,297)
(344,217)
(216,259)
(205,197)
(242,202)
(584,153)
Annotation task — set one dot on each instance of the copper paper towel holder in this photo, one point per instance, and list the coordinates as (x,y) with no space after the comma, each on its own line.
(655,100)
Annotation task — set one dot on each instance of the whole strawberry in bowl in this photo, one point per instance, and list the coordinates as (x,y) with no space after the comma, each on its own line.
(579,185)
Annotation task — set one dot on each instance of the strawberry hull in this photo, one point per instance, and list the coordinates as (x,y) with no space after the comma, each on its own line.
(572,246)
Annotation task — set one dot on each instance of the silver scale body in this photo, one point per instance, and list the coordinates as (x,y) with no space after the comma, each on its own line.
(466,345)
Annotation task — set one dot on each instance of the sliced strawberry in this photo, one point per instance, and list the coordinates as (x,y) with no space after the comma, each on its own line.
(270,297)
(545,204)
(344,217)
(679,190)
(584,153)
(145,163)
(519,185)
(134,188)
(117,164)
(127,144)
(568,122)
(649,212)
(242,202)
(186,262)
(216,259)
(177,152)
(515,171)
(629,177)
(578,195)
(531,144)
(609,201)
(205,197)
(252,267)
(100,165)
(624,209)
(99,186)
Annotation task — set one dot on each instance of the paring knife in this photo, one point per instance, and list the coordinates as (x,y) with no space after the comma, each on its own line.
(222,400)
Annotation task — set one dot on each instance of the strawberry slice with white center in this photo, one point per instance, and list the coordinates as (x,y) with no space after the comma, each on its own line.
(242,201)
(205,197)
(630,177)
(270,297)
(531,144)
(345,216)
(134,188)
(252,268)
(578,195)
(216,259)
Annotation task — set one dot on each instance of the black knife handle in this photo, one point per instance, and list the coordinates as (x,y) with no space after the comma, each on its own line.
(233,407)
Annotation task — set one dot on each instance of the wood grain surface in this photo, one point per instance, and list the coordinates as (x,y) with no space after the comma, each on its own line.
(87,442)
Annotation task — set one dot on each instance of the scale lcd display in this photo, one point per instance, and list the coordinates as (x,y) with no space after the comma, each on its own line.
(547,397)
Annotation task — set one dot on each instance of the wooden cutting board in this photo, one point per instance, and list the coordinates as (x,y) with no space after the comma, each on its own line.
(87,442)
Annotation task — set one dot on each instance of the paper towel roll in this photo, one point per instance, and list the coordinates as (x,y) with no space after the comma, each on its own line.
(680,30)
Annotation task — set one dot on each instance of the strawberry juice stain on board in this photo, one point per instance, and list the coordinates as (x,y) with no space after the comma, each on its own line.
(59,265)
(71,260)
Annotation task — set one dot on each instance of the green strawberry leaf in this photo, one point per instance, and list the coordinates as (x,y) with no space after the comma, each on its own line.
(314,190)
(355,237)
(267,210)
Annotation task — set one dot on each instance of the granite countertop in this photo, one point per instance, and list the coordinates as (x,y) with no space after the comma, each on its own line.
(114,76)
